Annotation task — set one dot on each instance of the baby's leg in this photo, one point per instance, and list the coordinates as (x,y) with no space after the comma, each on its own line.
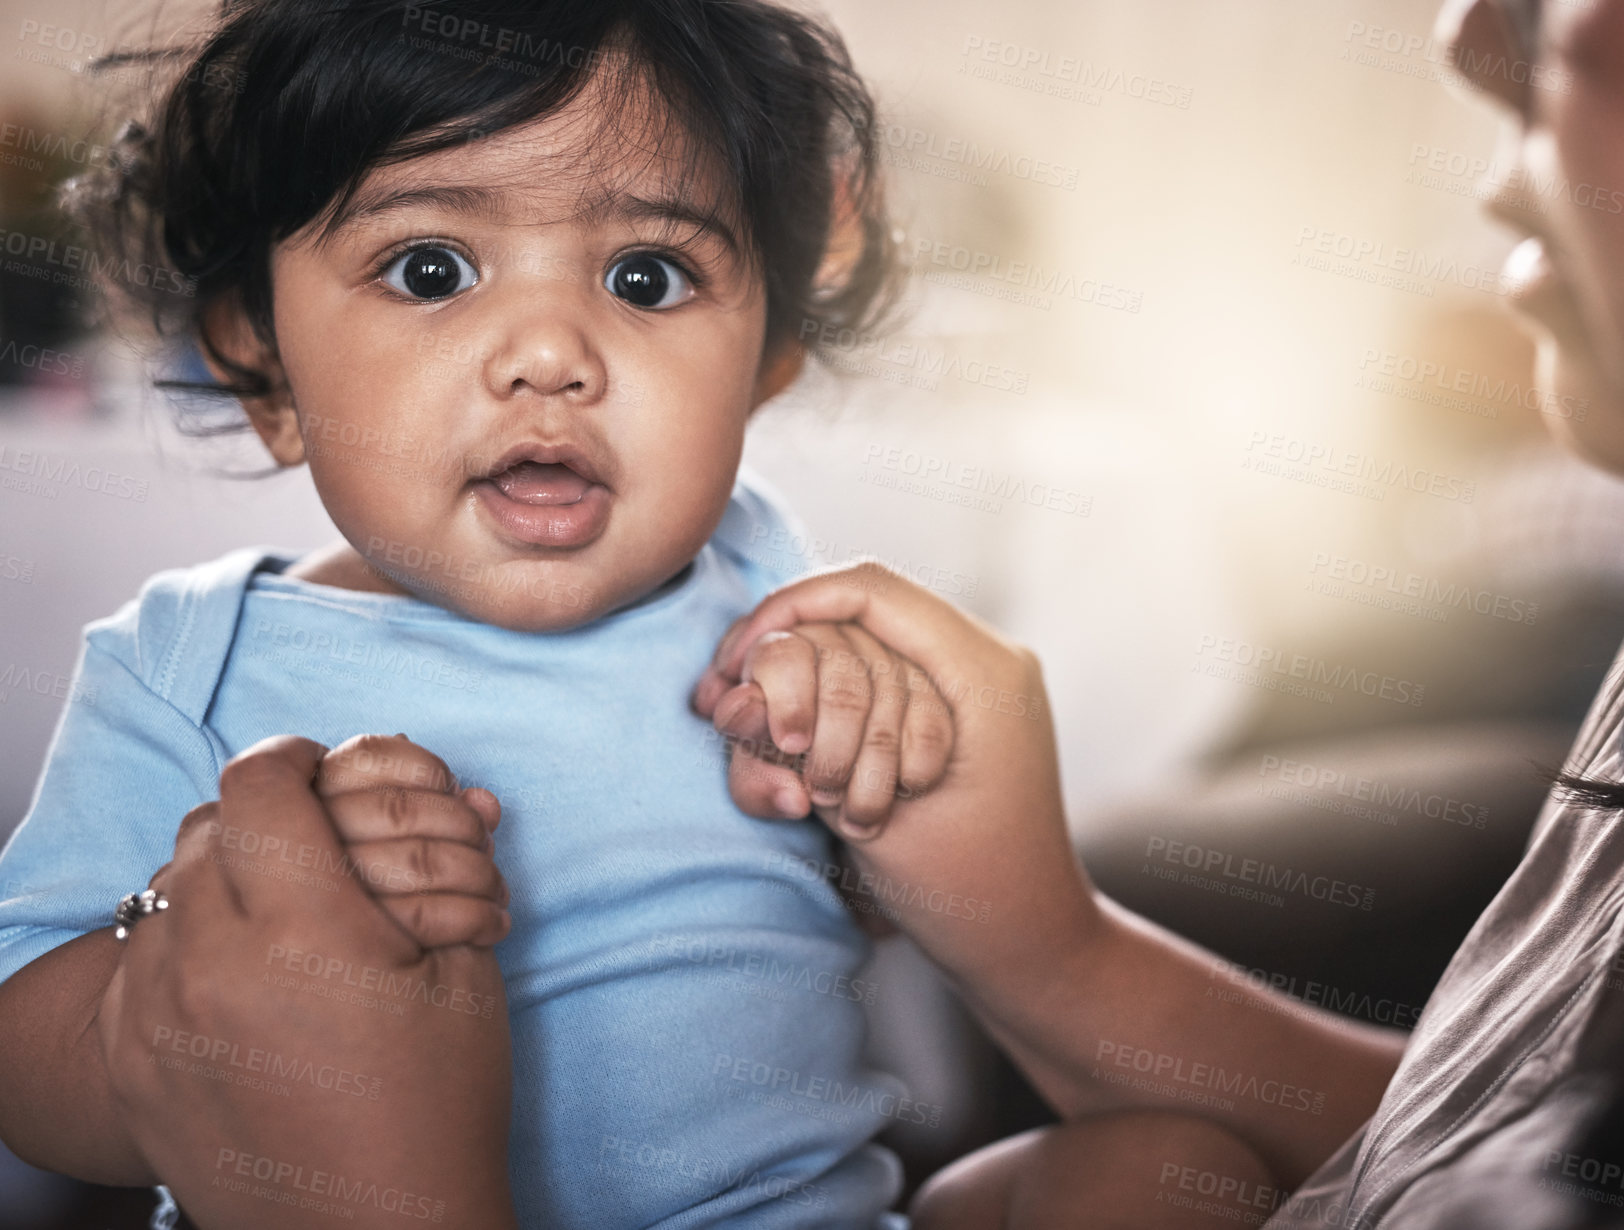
(1135,1170)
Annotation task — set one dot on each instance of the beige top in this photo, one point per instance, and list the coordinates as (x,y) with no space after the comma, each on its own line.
(1480,1126)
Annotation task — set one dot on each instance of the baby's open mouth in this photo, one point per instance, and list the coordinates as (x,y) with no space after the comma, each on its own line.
(545,496)
(536,482)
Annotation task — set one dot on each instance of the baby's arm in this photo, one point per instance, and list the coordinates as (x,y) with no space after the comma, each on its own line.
(979,870)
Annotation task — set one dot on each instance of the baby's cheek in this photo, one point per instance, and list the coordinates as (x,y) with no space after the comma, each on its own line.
(677,519)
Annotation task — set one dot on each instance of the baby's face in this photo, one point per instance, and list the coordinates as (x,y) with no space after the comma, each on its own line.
(521,368)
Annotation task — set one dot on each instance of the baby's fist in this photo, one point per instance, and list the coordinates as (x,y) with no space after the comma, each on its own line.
(828,718)
(420,845)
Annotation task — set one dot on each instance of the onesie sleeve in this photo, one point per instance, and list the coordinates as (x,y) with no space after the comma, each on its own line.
(124,766)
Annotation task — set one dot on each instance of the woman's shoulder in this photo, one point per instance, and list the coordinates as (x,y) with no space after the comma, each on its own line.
(1599,736)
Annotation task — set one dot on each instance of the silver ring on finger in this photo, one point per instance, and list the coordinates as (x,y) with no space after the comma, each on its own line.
(132,907)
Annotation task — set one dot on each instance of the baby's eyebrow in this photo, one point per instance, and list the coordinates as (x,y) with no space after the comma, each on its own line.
(477,201)
(668,209)
(469,199)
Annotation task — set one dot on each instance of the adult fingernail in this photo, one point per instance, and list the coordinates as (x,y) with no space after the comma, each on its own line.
(788,802)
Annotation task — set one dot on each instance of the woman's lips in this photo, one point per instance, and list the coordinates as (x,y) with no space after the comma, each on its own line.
(545,504)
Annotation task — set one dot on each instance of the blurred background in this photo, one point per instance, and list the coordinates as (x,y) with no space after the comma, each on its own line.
(1205,392)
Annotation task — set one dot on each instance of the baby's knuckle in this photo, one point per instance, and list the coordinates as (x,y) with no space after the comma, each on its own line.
(828,772)
(878,777)
(883,740)
(365,749)
(398,810)
(360,759)
(419,864)
(894,694)
(416,913)
(931,726)
(846,660)
(845,694)
(395,759)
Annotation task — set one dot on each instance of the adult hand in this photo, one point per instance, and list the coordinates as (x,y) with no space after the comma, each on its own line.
(280,1046)
(986,843)
(979,870)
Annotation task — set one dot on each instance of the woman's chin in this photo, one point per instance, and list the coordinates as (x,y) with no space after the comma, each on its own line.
(1594,431)
(1602,449)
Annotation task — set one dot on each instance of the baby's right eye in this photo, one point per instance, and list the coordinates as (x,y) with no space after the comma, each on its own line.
(429,272)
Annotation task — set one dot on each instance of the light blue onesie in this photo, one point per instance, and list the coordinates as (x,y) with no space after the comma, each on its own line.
(682,980)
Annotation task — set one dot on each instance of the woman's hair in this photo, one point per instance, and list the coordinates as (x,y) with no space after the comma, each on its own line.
(1595,793)
(274,118)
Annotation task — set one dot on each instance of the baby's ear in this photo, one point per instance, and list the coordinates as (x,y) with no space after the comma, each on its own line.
(844,248)
(779,367)
(236,354)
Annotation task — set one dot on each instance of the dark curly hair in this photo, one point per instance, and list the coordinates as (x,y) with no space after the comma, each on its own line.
(272,119)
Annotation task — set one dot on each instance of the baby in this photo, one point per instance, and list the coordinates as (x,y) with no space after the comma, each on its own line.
(510,279)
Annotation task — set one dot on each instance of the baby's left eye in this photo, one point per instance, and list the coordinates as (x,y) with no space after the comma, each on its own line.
(648,281)
(429,272)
